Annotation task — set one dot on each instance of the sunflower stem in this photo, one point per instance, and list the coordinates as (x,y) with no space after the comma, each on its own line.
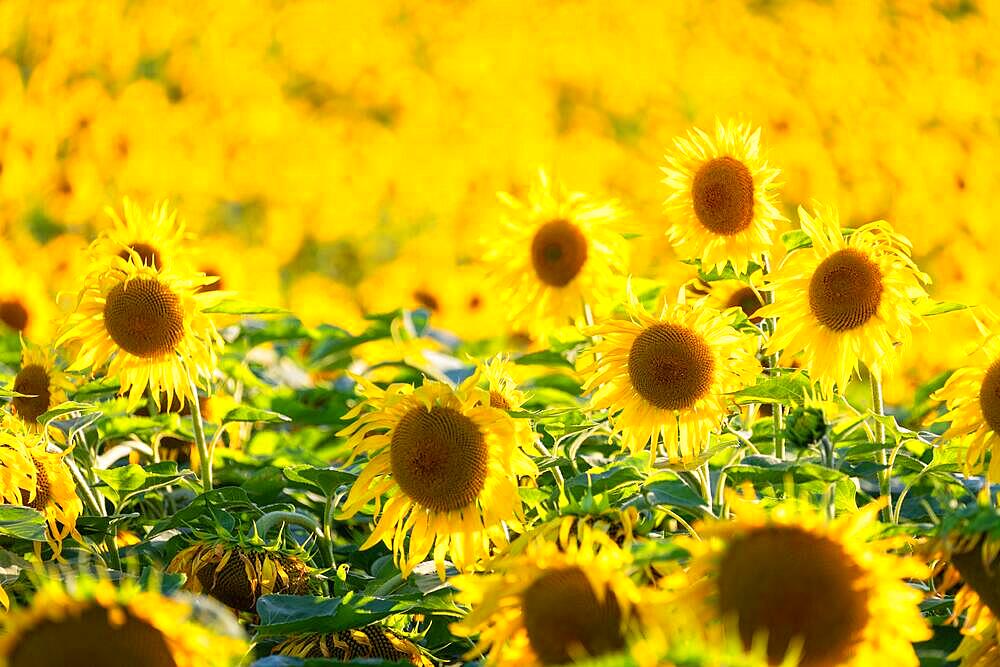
(264,524)
(116,561)
(885,477)
(198,426)
(771,365)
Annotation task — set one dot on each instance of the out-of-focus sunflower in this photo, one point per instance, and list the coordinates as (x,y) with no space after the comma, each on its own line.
(148,326)
(723,197)
(42,382)
(665,378)
(237,574)
(151,239)
(449,463)
(554,254)
(845,301)
(504,392)
(103,624)
(972,396)
(26,306)
(726,294)
(552,603)
(791,580)
(372,641)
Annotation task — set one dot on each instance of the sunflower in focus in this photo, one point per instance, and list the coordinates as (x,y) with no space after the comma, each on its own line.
(371,641)
(148,326)
(151,239)
(555,254)
(43,384)
(238,574)
(449,463)
(552,603)
(789,580)
(105,624)
(723,197)
(664,378)
(846,300)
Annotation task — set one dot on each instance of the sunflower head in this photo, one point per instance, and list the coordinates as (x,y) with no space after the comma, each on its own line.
(43,384)
(150,238)
(448,461)
(372,641)
(238,574)
(845,301)
(725,294)
(790,582)
(664,378)
(110,625)
(722,199)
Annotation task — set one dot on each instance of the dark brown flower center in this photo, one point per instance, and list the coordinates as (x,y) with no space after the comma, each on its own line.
(439,458)
(14,315)
(983,579)
(748,302)
(558,252)
(91,638)
(43,490)
(722,192)
(218,285)
(845,291)
(497,400)
(373,641)
(670,366)
(148,255)
(565,619)
(427,300)
(33,379)
(144,317)
(989,397)
(783,583)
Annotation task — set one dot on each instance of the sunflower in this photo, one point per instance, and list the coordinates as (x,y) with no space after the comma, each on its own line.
(552,602)
(665,378)
(723,197)
(844,301)
(726,294)
(791,581)
(238,574)
(26,308)
(372,641)
(449,463)
(972,395)
(41,381)
(555,254)
(148,326)
(504,392)
(103,624)
(151,239)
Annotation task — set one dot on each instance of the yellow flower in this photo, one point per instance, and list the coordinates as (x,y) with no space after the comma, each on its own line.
(552,602)
(372,641)
(845,301)
(664,379)
(790,580)
(110,625)
(726,294)
(723,197)
(26,308)
(449,464)
(42,382)
(555,254)
(151,239)
(148,326)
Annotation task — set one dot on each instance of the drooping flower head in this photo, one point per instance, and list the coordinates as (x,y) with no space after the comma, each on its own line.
(371,641)
(42,382)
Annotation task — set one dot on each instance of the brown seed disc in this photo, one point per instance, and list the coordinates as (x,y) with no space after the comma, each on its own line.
(845,291)
(786,583)
(89,638)
(558,252)
(230,585)
(497,400)
(989,397)
(33,379)
(564,618)
(722,192)
(144,317)
(427,300)
(439,458)
(218,285)
(43,490)
(14,315)
(747,300)
(147,253)
(670,366)
(983,579)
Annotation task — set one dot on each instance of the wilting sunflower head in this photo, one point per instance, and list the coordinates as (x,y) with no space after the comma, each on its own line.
(95,622)
(372,641)
(238,574)
(844,302)
(552,602)
(556,253)
(148,326)
(147,238)
(448,462)
(789,582)
(664,378)
(722,201)
(43,384)
(972,396)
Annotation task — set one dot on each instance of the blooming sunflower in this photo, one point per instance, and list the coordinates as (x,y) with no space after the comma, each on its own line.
(972,396)
(665,378)
(726,294)
(552,603)
(238,574)
(792,581)
(449,463)
(723,197)
(372,641)
(102,624)
(25,304)
(554,254)
(148,325)
(844,301)
(150,239)
(41,381)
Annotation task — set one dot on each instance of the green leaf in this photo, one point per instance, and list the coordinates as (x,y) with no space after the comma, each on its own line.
(22,522)
(245,413)
(327,480)
(544,358)
(768,470)
(66,408)
(929,307)
(124,483)
(240,307)
(786,389)
(796,239)
(672,493)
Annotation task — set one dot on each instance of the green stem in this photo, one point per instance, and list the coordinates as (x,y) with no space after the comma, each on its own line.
(198,426)
(116,561)
(885,476)
(771,364)
(265,523)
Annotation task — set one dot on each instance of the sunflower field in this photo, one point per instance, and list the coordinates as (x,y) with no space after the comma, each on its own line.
(499,333)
